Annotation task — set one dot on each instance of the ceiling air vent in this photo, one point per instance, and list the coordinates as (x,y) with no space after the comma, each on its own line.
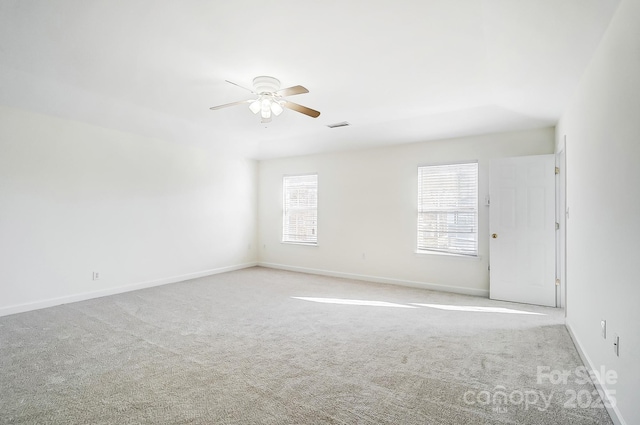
(339,124)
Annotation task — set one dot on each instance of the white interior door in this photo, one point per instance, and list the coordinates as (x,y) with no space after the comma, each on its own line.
(522,230)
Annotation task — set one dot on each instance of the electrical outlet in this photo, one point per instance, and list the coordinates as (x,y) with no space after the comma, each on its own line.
(96,275)
(616,344)
(603,325)
(364,257)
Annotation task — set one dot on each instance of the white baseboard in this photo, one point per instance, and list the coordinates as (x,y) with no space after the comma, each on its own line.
(36,305)
(422,285)
(614,413)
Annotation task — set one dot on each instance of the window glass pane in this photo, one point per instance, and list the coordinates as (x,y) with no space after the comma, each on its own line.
(300,216)
(448,208)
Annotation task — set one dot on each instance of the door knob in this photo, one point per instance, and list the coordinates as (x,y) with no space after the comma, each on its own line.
(494,235)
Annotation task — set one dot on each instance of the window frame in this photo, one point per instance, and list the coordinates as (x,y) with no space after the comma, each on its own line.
(284,210)
(449,252)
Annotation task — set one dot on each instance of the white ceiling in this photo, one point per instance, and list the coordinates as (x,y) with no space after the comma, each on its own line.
(398,71)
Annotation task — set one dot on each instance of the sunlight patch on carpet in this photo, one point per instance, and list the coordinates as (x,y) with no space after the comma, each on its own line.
(477,309)
(354,302)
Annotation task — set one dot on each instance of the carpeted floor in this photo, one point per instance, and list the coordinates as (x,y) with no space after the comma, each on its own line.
(238,348)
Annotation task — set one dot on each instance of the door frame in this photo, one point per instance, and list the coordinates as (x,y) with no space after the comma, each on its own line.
(561,232)
(562,217)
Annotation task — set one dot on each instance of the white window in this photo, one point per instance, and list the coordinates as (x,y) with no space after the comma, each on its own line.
(448,209)
(300,218)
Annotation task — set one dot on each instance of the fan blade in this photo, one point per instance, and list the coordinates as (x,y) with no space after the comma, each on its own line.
(231,82)
(302,109)
(226,105)
(290,91)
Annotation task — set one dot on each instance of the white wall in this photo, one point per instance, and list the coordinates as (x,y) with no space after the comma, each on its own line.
(602,127)
(75,198)
(367,205)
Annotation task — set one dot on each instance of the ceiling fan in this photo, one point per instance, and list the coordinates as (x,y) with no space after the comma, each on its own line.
(270,99)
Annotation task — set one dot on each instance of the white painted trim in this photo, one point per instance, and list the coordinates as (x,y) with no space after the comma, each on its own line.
(614,413)
(36,305)
(413,284)
(448,255)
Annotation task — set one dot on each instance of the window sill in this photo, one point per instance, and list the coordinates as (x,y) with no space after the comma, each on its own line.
(448,255)
(300,243)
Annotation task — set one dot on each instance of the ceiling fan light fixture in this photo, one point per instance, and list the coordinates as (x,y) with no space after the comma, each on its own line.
(265,108)
(276,108)
(255,106)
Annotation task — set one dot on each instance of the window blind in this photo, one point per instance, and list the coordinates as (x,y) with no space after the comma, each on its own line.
(300,218)
(448,208)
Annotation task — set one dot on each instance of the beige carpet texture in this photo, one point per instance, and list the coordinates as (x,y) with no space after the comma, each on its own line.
(264,346)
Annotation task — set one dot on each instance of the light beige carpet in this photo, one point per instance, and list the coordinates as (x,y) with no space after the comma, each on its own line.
(238,348)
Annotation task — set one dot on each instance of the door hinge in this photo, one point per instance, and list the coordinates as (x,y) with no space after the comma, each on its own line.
(557,282)
(557,170)
(557,226)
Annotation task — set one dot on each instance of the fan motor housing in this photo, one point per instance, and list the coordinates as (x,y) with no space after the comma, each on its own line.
(265,84)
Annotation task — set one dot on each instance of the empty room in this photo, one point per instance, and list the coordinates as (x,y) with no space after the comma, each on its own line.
(297,212)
